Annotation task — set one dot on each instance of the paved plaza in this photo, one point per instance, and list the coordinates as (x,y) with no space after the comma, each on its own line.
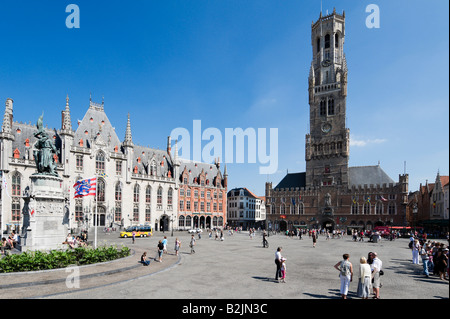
(236,268)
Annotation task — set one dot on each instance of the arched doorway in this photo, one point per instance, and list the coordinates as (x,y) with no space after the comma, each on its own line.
(328,224)
(283,225)
(208,221)
(164,223)
(202,221)
(101,216)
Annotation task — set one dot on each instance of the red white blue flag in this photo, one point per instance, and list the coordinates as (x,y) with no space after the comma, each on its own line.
(85,187)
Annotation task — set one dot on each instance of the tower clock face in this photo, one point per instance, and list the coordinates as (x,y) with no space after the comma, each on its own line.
(326,127)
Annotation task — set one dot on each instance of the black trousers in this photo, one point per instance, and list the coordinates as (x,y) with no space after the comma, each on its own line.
(278,273)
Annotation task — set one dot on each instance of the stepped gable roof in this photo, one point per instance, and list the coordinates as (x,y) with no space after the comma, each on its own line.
(292,180)
(195,169)
(97,125)
(361,175)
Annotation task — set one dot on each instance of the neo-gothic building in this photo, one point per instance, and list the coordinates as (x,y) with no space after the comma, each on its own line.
(136,185)
(330,194)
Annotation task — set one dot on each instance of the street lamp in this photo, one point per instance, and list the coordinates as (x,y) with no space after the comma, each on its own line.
(172,220)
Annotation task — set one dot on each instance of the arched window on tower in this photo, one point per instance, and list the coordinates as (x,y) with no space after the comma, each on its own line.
(323,108)
(336,40)
(318,44)
(331,107)
(327,41)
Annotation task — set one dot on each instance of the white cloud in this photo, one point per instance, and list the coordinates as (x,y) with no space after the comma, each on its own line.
(362,143)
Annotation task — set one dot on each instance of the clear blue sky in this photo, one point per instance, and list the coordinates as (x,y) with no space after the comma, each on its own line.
(232,64)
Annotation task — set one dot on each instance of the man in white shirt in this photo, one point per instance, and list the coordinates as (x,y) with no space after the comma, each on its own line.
(376,266)
(278,263)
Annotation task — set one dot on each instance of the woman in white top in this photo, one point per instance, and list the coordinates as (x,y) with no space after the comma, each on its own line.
(365,275)
(415,252)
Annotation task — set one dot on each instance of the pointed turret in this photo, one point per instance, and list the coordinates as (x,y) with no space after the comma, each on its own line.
(66,122)
(8,118)
(128,138)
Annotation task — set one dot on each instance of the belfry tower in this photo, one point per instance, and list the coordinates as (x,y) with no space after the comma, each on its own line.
(327,144)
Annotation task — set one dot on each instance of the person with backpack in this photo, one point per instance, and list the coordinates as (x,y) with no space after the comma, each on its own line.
(345,269)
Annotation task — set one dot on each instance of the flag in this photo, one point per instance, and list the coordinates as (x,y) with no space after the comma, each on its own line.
(5,184)
(383,199)
(293,201)
(85,187)
(31,211)
(103,175)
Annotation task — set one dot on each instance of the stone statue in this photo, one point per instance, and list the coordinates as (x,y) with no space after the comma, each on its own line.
(327,200)
(44,151)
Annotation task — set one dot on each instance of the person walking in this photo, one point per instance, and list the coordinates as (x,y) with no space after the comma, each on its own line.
(345,269)
(177,246)
(441,263)
(314,239)
(376,268)
(160,250)
(133,236)
(192,244)
(278,262)
(365,276)
(164,242)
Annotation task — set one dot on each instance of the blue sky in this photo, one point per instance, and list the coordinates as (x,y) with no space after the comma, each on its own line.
(236,63)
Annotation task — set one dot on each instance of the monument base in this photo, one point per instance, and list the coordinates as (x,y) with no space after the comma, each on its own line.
(45,225)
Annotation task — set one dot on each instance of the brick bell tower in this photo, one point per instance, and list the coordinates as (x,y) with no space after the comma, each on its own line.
(327,144)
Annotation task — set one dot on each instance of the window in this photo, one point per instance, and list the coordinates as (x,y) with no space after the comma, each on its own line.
(147,213)
(355,208)
(323,108)
(169,197)
(100,163)
(366,208)
(15,210)
(181,221)
(16,184)
(136,213)
(118,191)
(327,41)
(118,212)
(331,107)
(188,205)
(100,190)
(153,168)
(181,205)
(379,208)
(159,196)
(119,168)
(136,194)
(336,40)
(79,162)
(188,221)
(78,210)
(391,208)
(148,194)
(301,209)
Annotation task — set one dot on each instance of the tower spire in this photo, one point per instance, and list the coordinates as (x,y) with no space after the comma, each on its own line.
(128,138)
(66,120)
(8,117)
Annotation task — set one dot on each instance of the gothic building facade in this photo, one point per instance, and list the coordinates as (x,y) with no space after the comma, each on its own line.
(330,194)
(136,185)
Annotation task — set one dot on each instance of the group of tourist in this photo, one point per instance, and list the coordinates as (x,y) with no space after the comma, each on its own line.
(9,243)
(75,242)
(434,257)
(370,270)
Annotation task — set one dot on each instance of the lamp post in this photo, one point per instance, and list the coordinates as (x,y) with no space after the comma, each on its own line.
(172,220)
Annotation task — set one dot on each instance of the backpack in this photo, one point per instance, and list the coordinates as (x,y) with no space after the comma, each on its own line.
(345,268)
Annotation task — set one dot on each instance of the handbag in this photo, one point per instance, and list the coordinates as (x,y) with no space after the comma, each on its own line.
(381,272)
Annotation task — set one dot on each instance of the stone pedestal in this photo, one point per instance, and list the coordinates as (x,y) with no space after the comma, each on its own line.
(47,227)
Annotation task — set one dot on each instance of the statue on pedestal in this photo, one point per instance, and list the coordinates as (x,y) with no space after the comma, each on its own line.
(44,151)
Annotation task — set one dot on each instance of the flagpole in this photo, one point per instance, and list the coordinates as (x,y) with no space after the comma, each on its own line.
(96,219)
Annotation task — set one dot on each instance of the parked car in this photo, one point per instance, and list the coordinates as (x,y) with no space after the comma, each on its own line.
(195,231)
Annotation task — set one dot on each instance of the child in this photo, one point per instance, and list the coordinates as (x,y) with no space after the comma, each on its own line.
(144,260)
(283,269)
